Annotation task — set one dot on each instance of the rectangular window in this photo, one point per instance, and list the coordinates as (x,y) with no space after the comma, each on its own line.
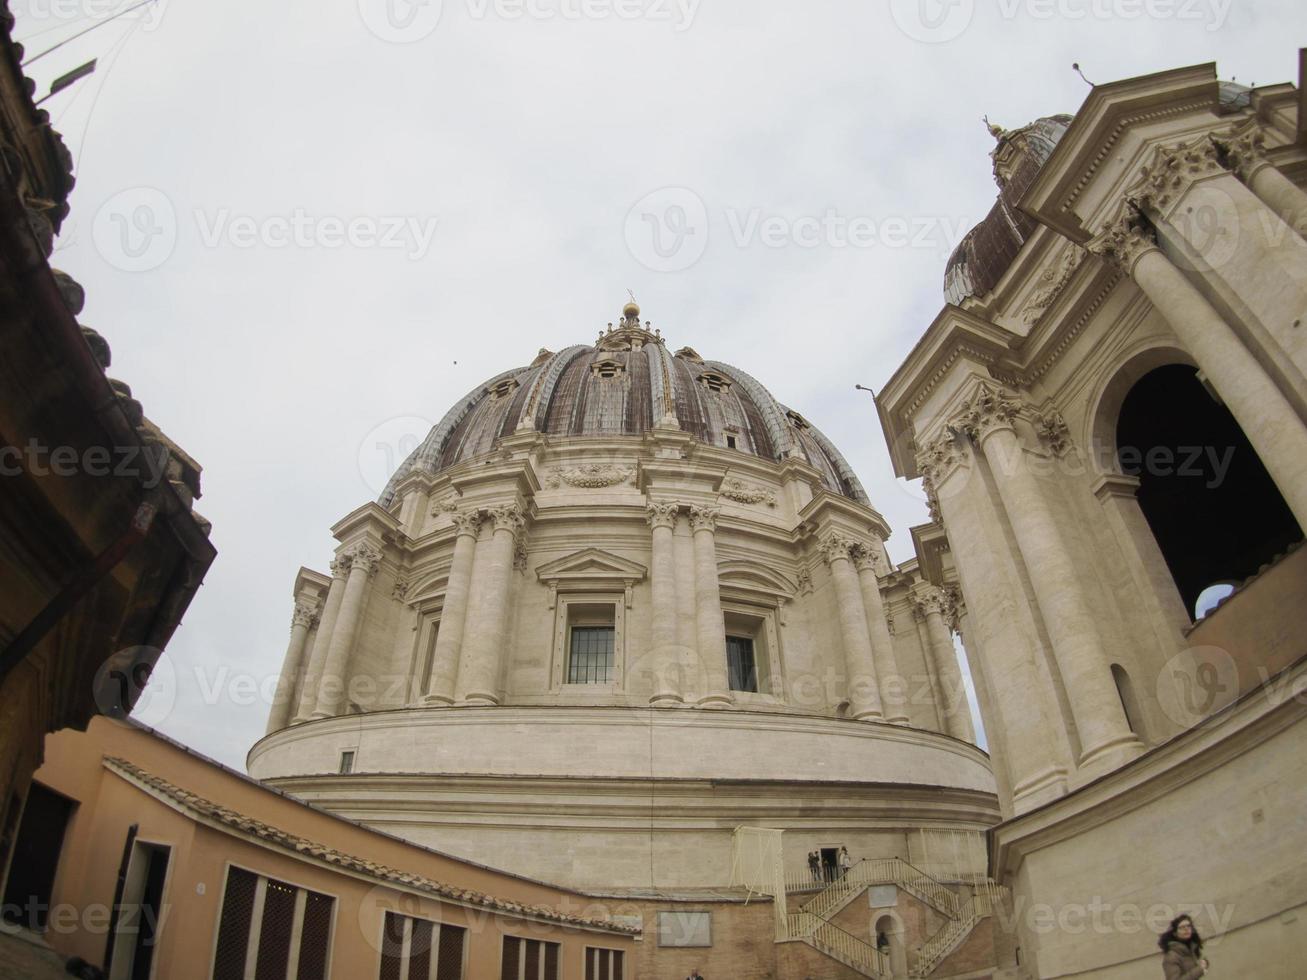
(261,920)
(741,667)
(346,763)
(529,959)
(419,949)
(603,964)
(591,636)
(730,442)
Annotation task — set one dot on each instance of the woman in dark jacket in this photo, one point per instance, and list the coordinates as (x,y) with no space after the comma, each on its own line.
(1182,950)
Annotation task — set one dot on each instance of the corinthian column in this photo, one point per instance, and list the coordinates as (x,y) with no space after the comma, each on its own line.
(1072,628)
(664,653)
(301,621)
(1020,728)
(1244,152)
(863,686)
(865,559)
(708,609)
(363,561)
(482,657)
(1267,419)
(453,616)
(933,604)
(308,700)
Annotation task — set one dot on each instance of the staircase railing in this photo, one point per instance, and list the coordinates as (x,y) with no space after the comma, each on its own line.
(943,942)
(841,945)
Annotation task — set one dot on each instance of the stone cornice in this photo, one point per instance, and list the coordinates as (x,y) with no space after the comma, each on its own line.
(371,521)
(955,334)
(826,508)
(1093,139)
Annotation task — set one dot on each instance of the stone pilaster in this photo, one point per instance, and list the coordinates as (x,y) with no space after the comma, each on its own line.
(863,686)
(935,606)
(453,615)
(481,662)
(303,617)
(363,562)
(710,624)
(1105,736)
(866,559)
(1021,720)
(309,690)
(664,654)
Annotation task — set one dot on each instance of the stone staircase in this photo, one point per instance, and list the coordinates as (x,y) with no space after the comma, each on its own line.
(811,923)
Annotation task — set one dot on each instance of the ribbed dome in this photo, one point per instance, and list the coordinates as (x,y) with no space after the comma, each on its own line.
(625,384)
(981,258)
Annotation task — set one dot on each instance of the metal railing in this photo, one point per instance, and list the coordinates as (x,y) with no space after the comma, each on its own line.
(876,871)
(980,904)
(838,944)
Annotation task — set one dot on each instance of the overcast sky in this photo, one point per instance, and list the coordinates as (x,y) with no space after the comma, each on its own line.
(306,228)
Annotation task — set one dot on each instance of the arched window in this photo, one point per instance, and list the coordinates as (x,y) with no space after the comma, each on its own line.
(1129,703)
(1214,510)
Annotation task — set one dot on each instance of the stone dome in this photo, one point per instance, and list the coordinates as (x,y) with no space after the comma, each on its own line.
(981,258)
(625,384)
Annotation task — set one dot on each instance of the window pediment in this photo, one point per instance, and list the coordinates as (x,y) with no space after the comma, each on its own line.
(591,570)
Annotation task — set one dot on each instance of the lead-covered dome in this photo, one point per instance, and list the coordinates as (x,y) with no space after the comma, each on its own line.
(981,258)
(625,384)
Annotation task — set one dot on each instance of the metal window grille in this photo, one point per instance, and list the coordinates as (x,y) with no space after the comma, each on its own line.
(740,664)
(234,925)
(419,945)
(392,946)
(274,931)
(512,953)
(449,963)
(315,936)
(590,659)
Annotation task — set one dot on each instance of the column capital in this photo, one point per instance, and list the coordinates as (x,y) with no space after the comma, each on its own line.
(1242,149)
(835,547)
(466,522)
(1124,242)
(938,458)
(1052,428)
(305,613)
(927,599)
(991,409)
(365,557)
(662,514)
(865,558)
(704,518)
(340,565)
(1171,171)
(957,607)
(508,518)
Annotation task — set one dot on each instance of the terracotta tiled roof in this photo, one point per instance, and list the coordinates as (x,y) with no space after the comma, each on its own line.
(401,879)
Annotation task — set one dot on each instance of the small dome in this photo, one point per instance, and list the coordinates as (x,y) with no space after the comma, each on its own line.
(626,384)
(986,252)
